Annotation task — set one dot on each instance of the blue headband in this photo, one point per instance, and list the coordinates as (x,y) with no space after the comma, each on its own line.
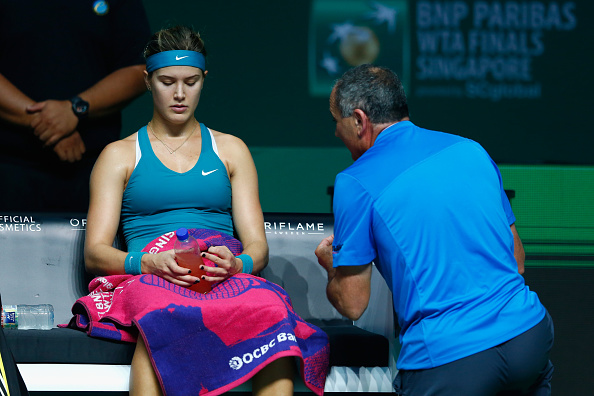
(175,58)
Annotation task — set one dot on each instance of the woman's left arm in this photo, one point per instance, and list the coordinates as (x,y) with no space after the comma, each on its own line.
(247,211)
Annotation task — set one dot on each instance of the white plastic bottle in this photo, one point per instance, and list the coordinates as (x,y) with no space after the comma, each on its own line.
(27,317)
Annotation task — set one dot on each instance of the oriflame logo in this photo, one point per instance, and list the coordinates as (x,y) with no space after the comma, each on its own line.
(288,228)
(78,224)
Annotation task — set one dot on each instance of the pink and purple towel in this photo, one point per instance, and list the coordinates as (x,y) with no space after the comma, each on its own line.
(204,344)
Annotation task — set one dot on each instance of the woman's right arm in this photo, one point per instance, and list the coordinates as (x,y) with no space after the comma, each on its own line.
(108,181)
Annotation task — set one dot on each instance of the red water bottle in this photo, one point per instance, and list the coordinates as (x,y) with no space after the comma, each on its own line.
(187,255)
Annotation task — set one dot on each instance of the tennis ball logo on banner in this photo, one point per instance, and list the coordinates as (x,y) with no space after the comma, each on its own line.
(359,46)
(344,34)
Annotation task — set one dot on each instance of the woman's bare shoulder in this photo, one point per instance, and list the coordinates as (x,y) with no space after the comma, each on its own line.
(121,153)
(227,141)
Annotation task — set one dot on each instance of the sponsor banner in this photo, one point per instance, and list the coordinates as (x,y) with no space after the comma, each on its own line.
(25,223)
(288,228)
(488,50)
(348,33)
(18,223)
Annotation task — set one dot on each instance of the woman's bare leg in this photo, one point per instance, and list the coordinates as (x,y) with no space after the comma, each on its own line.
(276,379)
(143,380)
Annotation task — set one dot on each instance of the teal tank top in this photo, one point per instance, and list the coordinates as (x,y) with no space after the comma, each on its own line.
(158,200)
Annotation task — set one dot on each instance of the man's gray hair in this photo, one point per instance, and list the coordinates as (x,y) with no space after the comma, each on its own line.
(375,90)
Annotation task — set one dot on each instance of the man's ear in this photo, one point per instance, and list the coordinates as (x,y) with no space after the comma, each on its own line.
(361,122)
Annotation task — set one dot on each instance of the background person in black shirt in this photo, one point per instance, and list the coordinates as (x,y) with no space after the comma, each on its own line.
(67,68)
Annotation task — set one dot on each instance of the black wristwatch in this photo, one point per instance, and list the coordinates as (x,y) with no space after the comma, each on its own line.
(80,107)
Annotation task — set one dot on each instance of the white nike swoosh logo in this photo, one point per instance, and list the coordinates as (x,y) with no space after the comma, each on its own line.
(208,173)
(180,57)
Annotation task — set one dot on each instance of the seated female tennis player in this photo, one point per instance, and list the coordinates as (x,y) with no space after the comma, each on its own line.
(174,173)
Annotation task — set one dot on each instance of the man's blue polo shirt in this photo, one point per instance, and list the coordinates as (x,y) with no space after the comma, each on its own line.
(430,210)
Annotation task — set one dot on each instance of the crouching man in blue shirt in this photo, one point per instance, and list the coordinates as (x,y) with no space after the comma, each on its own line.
(429,209)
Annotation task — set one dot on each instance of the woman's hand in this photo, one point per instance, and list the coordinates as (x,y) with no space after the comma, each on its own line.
(163,265)
(227,264)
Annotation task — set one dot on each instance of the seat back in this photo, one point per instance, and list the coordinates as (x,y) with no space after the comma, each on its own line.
(292,240)
(42,260)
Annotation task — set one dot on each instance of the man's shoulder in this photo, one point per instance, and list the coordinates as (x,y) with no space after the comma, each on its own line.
(402,150)
(364,177)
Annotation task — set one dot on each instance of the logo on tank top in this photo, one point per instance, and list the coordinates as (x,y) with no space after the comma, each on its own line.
(208,173)
(101,7)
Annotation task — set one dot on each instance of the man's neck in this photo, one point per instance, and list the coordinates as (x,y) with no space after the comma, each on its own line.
(379,128)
